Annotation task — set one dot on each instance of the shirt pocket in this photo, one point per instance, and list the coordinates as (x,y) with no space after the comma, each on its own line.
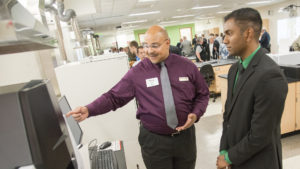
(183,87)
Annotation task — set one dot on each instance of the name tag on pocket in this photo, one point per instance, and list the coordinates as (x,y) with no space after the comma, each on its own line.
(152,82)
(183,79)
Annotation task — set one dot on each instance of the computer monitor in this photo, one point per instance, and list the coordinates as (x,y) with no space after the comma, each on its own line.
(32,128)
(70,121)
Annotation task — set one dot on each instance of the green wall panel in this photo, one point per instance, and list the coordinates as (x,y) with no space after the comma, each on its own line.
(174,32)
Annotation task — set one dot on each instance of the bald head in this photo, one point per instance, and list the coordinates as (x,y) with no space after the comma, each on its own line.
(157,44)
(157,31)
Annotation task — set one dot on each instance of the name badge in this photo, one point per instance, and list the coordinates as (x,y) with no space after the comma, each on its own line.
(152,82)
(183,79)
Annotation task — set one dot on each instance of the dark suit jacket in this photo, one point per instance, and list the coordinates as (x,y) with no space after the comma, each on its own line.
(214,52)
(175,49)
(251,126)
(265,40)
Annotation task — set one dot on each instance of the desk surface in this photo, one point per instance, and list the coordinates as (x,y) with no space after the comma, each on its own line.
(219,62)
(224,76)
(191,57)
(215,63)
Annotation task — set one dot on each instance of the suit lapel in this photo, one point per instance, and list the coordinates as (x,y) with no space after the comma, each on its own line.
(240,85)
(231,79)
(247,74)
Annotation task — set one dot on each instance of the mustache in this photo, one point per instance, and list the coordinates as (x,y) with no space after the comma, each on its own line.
(152,54)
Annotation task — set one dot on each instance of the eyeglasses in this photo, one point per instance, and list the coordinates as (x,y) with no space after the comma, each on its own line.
(153,46)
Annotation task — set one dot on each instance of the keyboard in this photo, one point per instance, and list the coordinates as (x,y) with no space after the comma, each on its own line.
(103,159)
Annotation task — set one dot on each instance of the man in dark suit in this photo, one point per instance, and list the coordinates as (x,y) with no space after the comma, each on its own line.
(179,44)
(265,40)
(175,49)
(255,101)
(214,47)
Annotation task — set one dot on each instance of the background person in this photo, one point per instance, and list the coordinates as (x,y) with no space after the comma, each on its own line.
(140,54)
(265,40)
(186,47)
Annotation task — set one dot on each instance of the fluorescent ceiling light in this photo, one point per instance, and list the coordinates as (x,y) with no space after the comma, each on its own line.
(131,26)
(144,13)
(139,21)
(182,16)
(224,11)
(166,22)
(258,2)
(206,7)
(202,18)
(39,34)
(147,0)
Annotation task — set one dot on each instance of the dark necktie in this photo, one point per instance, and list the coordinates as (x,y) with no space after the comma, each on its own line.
(171,115)
(241,72)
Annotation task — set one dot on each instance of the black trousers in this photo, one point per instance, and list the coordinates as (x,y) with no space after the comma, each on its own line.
(168,152)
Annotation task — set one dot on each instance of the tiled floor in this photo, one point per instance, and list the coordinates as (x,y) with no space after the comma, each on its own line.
(208,132)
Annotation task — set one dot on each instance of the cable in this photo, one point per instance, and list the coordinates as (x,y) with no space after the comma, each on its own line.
(92,147)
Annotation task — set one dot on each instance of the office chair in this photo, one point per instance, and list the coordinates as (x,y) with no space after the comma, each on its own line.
(209,76)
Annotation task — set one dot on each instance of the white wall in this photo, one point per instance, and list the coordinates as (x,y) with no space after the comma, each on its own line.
(207,24)
(124,36)
(47,64)
(19,68)
(282,28)
(108,39)
(26,66)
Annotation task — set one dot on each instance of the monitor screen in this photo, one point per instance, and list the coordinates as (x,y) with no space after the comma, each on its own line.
(71,122)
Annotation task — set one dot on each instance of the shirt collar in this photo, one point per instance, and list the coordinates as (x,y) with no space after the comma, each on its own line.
(248,59)
(168,60)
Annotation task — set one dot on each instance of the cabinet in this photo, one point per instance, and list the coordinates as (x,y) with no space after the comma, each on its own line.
(288,119)
(298,106)
(224,87)
(219,70)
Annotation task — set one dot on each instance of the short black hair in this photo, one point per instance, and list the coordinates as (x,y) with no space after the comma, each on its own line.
(134,43)
(199,39)
(140,47)
(245,18)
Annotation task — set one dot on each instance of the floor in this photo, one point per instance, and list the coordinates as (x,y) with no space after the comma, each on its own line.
(208,133)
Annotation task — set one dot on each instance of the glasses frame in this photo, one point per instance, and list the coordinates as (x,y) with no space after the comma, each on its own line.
(154,46)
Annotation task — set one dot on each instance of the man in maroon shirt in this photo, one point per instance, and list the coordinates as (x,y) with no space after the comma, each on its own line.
(162,147)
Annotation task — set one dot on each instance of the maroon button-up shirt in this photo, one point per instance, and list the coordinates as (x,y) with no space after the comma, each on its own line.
(189,90)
